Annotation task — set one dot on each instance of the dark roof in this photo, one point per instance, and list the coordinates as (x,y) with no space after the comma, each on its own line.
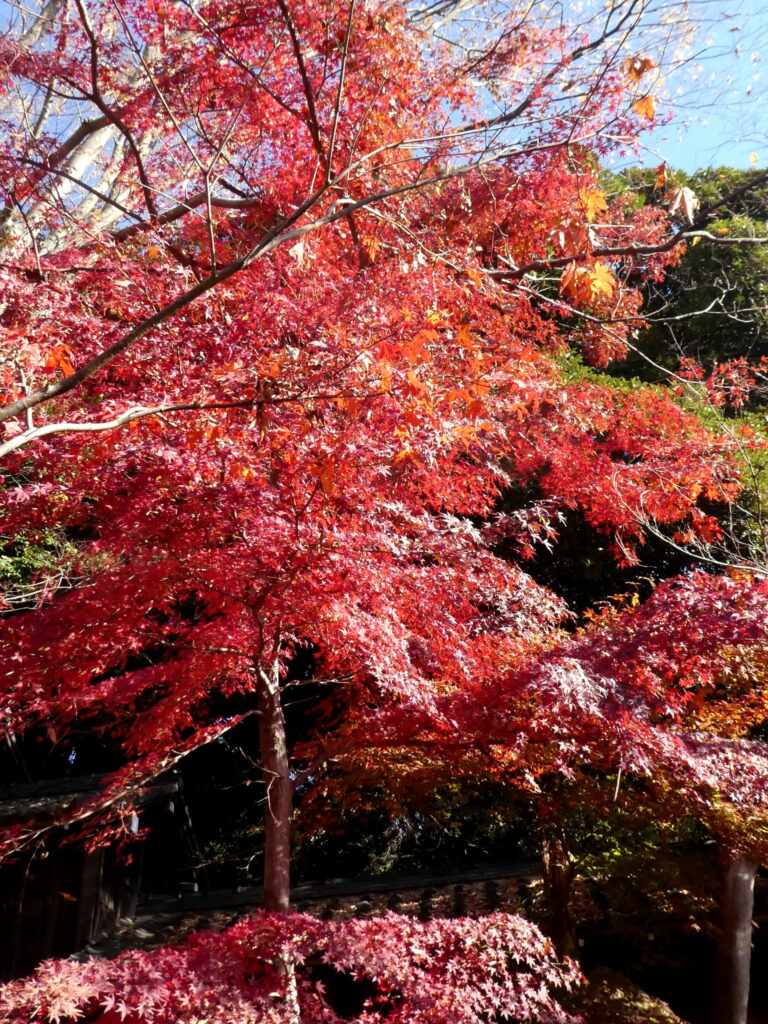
(47,799)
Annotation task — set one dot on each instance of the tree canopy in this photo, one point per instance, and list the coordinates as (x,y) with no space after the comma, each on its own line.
(286,315)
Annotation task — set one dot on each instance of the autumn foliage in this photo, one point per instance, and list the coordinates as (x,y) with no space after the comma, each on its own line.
(421,972)
(284,314)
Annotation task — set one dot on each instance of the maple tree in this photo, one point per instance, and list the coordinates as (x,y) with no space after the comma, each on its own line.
(284,313)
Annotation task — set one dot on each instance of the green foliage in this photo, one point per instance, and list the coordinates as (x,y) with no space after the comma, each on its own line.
(27,561)
(575,369)
(713,306)
(711,184)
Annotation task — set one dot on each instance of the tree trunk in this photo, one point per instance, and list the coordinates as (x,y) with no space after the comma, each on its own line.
(558,880)
(735,947)
(277,819)
(279,798)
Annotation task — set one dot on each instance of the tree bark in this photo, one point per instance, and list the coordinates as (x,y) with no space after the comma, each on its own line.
(277,819)
(279,792)
(558,881)
(735,946)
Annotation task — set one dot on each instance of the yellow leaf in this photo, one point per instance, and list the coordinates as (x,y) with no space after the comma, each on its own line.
(371,247)
(661,176)
(593,202)
(601,280)
(645,107)
(753,158)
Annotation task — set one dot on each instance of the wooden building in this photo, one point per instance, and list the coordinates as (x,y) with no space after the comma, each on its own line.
(56,899)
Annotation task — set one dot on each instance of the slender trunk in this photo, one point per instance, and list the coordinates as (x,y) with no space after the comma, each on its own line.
(277,819)
(277,815)
(735,948)
(558,881)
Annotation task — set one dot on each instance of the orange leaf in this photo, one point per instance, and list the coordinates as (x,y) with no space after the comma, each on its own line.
(637,66)
(645,107)
(568,279)
(416,385)
(60,358)
(327,478)
(371,247)
(464,338)
(570,235)
(585,284)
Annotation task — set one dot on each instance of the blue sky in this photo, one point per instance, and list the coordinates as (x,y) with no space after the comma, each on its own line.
(718,99)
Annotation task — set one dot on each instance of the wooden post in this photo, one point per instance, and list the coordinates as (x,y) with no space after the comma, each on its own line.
(735,946)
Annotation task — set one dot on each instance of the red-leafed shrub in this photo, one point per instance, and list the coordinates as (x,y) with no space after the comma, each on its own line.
(267,970)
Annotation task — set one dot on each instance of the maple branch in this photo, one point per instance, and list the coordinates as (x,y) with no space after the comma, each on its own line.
(284,232)
(270,241)
(340,92)
(695,230)
(33,433)
(232,55)
(502,120)
(648,524)
(727,239)
(107,200)
(278,235)
(97,98)
(681,235)
(314,123)
(86,129)
(560,304)
(182,209)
